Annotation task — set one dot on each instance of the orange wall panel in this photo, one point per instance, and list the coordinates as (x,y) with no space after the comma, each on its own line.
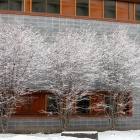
(97,109)
(96,8)
(38,103)
(18,109)
(68,7)
(26,106)
(27,5)
(131,11)
(122,10)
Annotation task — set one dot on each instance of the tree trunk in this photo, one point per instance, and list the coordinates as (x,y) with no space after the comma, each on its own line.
(112,114)
(4,123)
(64,118)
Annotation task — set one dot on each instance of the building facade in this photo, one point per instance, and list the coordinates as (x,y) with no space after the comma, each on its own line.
(51,15)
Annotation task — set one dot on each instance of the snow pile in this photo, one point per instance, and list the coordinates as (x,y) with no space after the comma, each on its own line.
(38,137)
(120,135)
(107,135)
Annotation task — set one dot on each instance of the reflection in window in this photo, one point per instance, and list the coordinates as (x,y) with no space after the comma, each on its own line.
(82,7)
(49,6)
(109,9)
(53,6)
(52,104)
(126,103)
(16,5)
(82,106)
(107,104)
(38,5)
(137,11)
(4,5)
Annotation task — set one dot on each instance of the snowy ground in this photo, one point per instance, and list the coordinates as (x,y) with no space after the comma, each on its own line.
(108,135)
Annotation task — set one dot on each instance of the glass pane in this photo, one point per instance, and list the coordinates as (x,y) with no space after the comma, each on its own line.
(107,104)
(53,6)
(137,12)
(82,7)
(16,5)
(126,103)
(52,103)
(109,9)
(82,106)
(4,5)
(38,5)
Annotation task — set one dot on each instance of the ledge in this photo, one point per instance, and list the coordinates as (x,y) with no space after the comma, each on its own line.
(81,134)
(66,16)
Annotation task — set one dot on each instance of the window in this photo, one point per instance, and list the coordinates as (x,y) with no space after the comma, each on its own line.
(53,6)
(119,103)
(137,11)
(107,104)
(82,7)
(110,103)
(97,104)
(49,6)
(16,5)
(82,106)
(4,5)
(109,9)
(38,5)
(127,105)
(52,104)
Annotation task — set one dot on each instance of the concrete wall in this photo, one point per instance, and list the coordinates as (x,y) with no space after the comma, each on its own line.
(47,125)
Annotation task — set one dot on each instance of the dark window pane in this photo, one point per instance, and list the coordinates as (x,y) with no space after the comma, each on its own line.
(4,5)
(110,103)
(53,6)
(137,12)
(82,106)
(82,7)
(52,103)
(38,5)
(16,5)
(109,9)
(107,104)
(126,103)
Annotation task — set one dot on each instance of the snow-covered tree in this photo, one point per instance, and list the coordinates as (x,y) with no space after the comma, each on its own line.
(71,57)
(80,59)
(21,50)
(118,72)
